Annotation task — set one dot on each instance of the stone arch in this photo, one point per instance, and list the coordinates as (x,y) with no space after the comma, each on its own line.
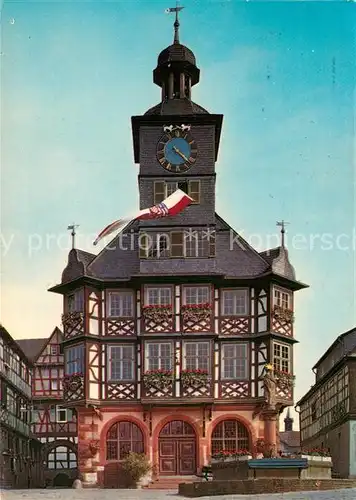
(117,420)
(241,433)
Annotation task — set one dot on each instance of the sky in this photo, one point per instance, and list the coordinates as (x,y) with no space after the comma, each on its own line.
(283,75)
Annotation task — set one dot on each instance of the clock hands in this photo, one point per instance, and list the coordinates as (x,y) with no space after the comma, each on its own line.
(176,150)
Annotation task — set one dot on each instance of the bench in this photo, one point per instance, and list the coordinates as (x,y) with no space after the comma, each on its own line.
(206,473)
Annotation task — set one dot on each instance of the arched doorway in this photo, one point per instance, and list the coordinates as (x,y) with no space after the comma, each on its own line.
(229,435)
(177,449)
(121,438)
(61,457)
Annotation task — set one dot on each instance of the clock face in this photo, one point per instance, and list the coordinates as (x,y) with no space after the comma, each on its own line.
(176,151)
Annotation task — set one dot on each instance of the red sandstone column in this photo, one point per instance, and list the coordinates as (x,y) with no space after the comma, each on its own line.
(270,431)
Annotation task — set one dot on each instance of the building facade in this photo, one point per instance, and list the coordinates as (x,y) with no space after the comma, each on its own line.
(328,409)
(167,331)
(20,452)
(54,425)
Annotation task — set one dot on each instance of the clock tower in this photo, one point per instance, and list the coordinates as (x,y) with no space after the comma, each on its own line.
(176,144)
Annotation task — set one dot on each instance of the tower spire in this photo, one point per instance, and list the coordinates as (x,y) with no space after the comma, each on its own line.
(176,25)
(282,224)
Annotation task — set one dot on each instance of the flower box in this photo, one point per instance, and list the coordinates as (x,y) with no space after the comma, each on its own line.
(160,379)
(73,382)
(283,314)
(157,313)
(194,378)
(231,456)
(196,312)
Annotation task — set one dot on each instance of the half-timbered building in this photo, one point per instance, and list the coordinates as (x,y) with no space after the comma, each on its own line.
(328,409)
(20,452)
(52,423)
(167,331)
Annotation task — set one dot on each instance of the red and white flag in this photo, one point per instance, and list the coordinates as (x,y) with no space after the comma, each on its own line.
(173,205)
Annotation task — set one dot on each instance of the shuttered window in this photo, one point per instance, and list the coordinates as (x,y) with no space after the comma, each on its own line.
(163,189)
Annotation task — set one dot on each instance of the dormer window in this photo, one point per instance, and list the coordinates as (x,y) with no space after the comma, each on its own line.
(54,349)
(75,301)
(163,189)
(282,298)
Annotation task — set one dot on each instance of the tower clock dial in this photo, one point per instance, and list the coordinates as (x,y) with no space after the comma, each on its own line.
(176,149)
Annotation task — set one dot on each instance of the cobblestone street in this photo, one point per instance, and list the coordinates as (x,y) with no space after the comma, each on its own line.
(162,495)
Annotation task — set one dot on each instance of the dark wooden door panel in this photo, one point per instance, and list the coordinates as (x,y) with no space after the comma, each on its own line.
(167,457)
(186,457)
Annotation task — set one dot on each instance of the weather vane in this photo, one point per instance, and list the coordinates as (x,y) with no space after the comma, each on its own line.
(282,224)
(73,227)
(175,9)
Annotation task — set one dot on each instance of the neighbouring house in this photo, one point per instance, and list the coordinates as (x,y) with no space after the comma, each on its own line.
(52,423)
(328,409)
(20,451)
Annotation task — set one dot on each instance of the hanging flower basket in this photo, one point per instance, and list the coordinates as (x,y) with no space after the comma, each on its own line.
(94,446)
(160,379)
(196,312)
(285,380)
(157,313)
(73,382)
(283,314)
(194,378)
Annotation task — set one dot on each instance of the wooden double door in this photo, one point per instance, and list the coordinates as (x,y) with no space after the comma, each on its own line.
(177,449)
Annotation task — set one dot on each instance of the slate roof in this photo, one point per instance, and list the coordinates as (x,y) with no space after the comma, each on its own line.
(177,107)
(279,261)
(78,262)
(176,53)
(32,347)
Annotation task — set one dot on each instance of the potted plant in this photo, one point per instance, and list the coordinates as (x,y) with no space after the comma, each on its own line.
(196,312)
(160,379)
(194,378)
(137,467)
(157,312)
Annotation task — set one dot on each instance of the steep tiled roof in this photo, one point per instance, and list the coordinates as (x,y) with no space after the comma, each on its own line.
(279,262)
(13,343)
(78,261)
(32,347)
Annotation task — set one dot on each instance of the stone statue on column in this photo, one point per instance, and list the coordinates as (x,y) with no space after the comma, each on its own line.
(269,387)
(270,413)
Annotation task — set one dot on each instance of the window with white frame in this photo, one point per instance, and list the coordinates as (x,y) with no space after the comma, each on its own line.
(74,359)
(159,356)
(120,304)
(282,298)
(75,301)
(281,357)
(121,362)
(54,385)
(163,189)
(196,295)
(158,296)
(234,361)
(235,302)
(197,356)
(61,415)
(199,243)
